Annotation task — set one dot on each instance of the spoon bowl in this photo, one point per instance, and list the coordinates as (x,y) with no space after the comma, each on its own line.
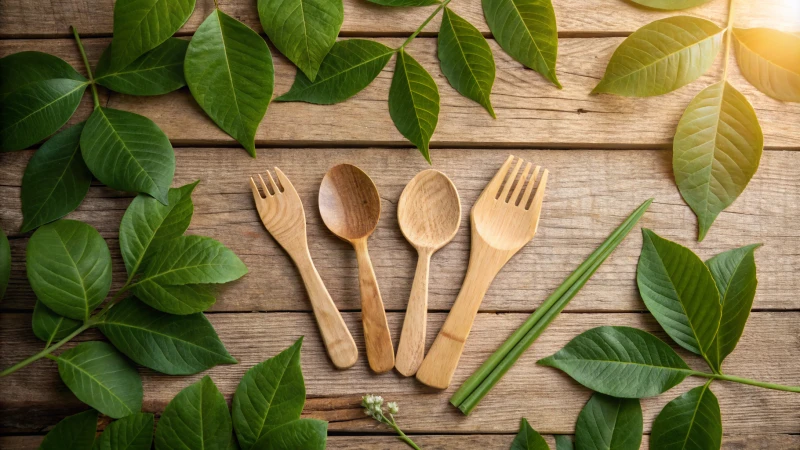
(429,212)
(351,207)
(349,202)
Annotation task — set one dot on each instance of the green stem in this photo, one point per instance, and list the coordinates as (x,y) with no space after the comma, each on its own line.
(92,321)
(86,325)
(735,379)
(95,97)
(728,32)
(402,436)
(424,24)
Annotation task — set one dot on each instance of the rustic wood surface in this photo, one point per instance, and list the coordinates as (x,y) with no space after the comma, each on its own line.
(606,155)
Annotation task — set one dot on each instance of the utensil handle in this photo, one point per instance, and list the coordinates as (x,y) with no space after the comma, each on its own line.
(337,338)
(411,348)
(442,359)
(380,351)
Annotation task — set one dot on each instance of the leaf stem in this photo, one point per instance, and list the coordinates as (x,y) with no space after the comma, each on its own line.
(92,84)
(424,24)
(728,32)
(735,379)
(89,323)
(86,325)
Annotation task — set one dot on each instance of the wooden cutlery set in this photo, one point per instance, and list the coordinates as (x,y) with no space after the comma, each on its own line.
(503,220)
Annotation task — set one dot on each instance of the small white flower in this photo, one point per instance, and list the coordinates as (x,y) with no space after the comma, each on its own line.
(393,408)
(378,400)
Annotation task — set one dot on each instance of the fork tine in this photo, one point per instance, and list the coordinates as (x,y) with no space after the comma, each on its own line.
(494,185)
(256,193)
(285,183)
(515,195)
(264,186)
(510,181)
(536,204)
(529,188)
(272,183)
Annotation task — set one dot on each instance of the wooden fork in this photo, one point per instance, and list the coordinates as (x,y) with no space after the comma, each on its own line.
(501,225)
(282,213)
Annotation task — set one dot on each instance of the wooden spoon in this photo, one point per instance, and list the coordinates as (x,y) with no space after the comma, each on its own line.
(350,207)
(429,213)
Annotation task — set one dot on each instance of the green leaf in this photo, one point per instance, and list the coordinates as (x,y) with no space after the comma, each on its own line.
(69,268)
(661,57)
(404,3)
(134,432)
(414,102)
(350,66)
(621,362)
(679,291)
(526,29)
(174,345)
(142,25)
(197,418)
(55,181)
(37,110)
(609,423)
(734,273)
(690,422)
(466,59)
(5,263)
(671,5)
(270,394)
(102,378)
(180,300)
(234,444)
(564,443)
(75,432)
(128,152)
(768,59)
(21,69)
(303,30)
(229,70)
(49,326)
(156,72)
(308,434)
(716,151)
(147,223)
(192,260)
(528,438)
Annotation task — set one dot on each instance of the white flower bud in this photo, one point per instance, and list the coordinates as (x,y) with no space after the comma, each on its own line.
(393,408)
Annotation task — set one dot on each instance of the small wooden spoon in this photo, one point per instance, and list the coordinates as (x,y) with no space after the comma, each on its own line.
(429,213)
(350,207)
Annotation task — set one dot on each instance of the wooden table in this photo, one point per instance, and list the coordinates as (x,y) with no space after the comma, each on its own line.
(606,155)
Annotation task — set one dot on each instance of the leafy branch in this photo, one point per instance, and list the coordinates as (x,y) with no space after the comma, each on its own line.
(703,307)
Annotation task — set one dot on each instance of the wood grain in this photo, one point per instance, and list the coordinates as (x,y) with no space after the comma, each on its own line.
(589,194)
(19,18)
(34,398)
(454,442)
(531,113)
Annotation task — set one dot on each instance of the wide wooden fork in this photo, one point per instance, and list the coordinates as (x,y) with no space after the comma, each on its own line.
(282,213)
(501,225)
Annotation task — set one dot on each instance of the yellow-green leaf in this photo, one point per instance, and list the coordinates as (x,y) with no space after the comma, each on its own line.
(770,60)
(671,5)
(661,56)
(716,150)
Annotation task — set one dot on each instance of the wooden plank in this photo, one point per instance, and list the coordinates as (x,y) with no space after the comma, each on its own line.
(589,193)
(461,441)
(20,18)
(34,398)
(531,112)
